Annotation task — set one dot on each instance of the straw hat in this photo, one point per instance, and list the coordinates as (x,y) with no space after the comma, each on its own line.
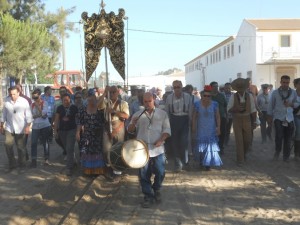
(240,84)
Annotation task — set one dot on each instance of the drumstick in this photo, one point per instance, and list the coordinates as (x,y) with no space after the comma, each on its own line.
(138,149)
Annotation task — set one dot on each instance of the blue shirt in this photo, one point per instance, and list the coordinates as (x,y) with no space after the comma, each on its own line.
(135,106)
(276,107)
(40,122)
(50,104)
(263,101)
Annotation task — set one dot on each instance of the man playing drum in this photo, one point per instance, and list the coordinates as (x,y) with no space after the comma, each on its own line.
(153,127)
(116,112)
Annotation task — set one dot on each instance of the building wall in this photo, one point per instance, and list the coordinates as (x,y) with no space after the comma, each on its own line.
(279,60)
(245,60)
(271,44)
(255,54)
(194,78)
(234,58)
(265,74)
(161,81)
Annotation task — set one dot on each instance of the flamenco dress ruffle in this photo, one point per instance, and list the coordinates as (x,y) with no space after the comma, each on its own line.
(209,152)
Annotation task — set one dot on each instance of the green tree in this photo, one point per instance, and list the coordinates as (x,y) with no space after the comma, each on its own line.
(24,48)
(23,9)
(56,24)
(168,72)
(30,78)
(4,5)
(59,27)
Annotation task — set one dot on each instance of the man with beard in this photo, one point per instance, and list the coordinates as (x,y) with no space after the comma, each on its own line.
(280,111)
(17,118)
(116,112)
(151,126)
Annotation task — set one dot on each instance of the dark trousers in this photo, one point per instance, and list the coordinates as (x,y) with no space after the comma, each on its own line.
(179,137)
(51,129)
(43,135)
(297,148)
(283,135)
(297,136)
(265,129)
(68,140)
(19,140)
(228,130)
(223,134)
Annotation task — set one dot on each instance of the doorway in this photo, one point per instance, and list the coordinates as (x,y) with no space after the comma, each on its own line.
(285,70)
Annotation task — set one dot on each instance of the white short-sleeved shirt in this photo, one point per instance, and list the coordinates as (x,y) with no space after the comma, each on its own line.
(150,128)
(16,115)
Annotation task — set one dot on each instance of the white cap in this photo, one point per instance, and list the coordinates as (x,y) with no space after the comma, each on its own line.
(168,89)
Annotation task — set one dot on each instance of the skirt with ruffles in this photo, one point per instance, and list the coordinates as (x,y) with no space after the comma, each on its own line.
(208,154)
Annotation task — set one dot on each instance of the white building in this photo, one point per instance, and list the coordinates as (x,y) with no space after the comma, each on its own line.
(161,81)
(263,50)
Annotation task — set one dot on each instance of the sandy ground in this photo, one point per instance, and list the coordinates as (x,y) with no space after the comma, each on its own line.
(260,192)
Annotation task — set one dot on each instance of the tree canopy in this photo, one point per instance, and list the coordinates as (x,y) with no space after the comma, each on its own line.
(25,47)
(168,72)
(54,24)
(23,9)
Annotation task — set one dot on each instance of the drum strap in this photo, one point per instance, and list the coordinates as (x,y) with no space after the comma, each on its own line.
(117,126)
(118,103)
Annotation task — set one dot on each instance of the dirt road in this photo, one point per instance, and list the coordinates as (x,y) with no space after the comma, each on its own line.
(260,192)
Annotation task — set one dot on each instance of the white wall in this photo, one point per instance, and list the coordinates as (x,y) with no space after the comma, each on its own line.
(157,80)
(194,78)
(246,60)
(271,43)
(265,75)
(227,69)
(256,55)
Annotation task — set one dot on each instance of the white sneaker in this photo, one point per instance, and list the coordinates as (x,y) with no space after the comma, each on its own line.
(117,172)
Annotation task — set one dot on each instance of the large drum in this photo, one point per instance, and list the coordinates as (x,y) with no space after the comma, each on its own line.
(129,154)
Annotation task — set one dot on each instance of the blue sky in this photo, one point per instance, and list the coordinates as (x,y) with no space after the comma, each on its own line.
(211,21)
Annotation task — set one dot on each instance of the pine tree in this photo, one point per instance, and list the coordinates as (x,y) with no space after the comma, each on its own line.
(23,48)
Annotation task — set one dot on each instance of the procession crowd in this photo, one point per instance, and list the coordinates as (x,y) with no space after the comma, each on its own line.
(181,124)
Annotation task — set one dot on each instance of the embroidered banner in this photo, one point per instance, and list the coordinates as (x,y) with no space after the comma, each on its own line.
(104,30)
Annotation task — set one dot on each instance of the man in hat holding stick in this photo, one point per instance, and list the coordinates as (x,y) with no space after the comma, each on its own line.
(262,106)
(242,107)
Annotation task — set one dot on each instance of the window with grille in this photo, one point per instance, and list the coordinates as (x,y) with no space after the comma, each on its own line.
(285,41)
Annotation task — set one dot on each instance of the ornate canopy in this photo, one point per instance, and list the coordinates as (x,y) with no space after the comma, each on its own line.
(104,30)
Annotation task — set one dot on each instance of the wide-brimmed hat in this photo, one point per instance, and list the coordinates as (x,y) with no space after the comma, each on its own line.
(240,84)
